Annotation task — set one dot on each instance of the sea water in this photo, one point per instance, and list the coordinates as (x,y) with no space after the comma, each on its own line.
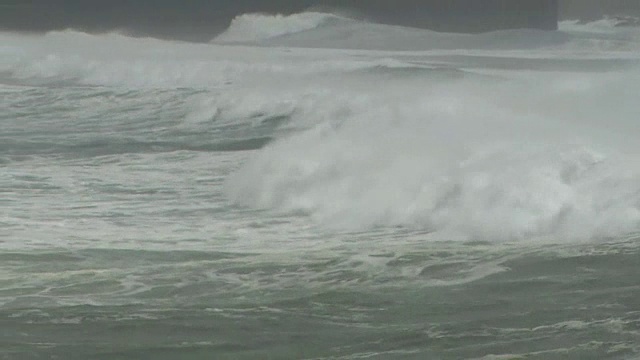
(314,187)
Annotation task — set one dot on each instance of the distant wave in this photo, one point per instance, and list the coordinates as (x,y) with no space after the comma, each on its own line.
(319,30)
(601,35)
(256,27)
(607,23)
(72,57)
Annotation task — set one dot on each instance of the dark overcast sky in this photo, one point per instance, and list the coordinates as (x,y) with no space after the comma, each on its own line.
(182,18)
(199,20)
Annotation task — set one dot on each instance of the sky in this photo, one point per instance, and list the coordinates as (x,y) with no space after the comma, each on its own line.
(199,20)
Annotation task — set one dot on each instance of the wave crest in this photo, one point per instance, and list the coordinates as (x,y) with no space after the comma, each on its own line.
(472,160)
(256,27)
(322,30)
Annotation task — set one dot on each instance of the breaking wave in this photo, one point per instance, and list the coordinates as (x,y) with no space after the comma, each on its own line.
(319,30)
(256,27)
(550,158)
(113,59)
(369,139)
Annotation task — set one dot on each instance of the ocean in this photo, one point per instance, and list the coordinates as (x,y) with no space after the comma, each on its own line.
(315,187)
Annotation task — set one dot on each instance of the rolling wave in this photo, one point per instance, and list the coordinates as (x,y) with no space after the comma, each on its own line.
(256,27)
(318,30)
(422,138)
(549,158)
(299,45)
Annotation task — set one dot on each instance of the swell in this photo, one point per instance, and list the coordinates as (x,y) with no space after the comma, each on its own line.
(317,30)
(544,151)
(15,149)
(71,57)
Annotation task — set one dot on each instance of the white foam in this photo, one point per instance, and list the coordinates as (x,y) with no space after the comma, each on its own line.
(601,35)
(523,159)
(543,155)
(255,27)
(317,30)
(300,44)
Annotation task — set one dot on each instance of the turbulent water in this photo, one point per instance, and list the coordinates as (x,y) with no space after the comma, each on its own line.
(313,187)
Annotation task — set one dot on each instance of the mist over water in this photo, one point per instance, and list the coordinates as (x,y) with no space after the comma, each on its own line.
(378,191)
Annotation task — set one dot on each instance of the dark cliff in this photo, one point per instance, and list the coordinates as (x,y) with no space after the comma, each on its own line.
(200,20)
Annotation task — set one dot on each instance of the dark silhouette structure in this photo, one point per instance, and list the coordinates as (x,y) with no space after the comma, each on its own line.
(595,9)
(200,20)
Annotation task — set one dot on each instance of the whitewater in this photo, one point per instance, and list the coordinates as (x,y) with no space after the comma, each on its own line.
(317,187)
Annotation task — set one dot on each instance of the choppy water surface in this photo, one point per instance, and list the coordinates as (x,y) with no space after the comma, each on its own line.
(313,187)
